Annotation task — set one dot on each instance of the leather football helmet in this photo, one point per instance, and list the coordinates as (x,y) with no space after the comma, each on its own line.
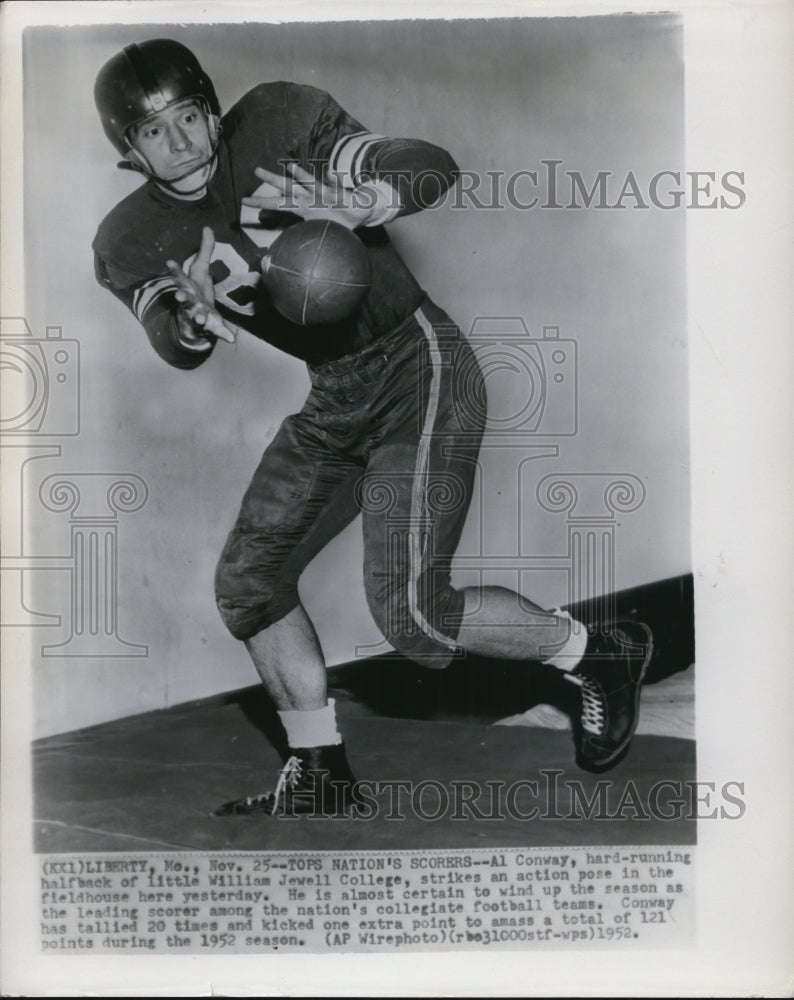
(145,78)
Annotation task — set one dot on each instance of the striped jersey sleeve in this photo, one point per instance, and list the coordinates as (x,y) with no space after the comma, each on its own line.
(406,175)
(153,303)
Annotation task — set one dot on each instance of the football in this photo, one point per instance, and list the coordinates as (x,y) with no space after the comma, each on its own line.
(317,272)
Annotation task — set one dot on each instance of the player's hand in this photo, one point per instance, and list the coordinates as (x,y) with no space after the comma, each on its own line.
(196,294)
(312,197)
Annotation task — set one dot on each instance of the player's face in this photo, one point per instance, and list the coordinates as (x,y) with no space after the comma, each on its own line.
(174,139)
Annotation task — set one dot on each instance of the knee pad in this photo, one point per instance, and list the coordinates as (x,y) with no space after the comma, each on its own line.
(248,596)
(425,633)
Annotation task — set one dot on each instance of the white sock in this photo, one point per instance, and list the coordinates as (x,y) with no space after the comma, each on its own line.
(570,654)
(315,728)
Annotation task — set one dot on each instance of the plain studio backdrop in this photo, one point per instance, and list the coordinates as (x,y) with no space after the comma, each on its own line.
(598,94)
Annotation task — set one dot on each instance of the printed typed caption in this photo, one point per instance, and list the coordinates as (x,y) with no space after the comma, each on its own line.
(226,903)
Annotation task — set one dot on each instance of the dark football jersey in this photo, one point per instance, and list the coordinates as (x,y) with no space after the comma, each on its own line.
(272,124)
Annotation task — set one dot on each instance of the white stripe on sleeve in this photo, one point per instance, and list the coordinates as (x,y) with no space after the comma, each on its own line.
(148,292)
(348,155)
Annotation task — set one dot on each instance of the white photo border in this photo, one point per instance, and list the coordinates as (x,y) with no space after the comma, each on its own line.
(739,96)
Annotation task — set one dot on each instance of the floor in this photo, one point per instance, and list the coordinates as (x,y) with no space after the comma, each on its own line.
(151,782)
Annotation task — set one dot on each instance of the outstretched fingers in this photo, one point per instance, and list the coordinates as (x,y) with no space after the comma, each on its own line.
(186,287)
(195,292)
(213,323)
(200,268)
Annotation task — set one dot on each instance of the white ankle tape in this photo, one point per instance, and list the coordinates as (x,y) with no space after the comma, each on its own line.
(315,728)
(570,654)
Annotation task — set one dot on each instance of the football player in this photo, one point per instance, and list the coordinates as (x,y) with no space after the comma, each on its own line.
(393,422)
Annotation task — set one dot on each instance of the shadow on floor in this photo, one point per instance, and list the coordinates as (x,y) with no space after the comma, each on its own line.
(151,782)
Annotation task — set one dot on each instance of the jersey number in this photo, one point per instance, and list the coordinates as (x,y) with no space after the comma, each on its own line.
(235,286)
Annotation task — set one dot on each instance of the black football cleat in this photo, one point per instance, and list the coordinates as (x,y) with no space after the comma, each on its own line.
(314,780)
(610,677)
